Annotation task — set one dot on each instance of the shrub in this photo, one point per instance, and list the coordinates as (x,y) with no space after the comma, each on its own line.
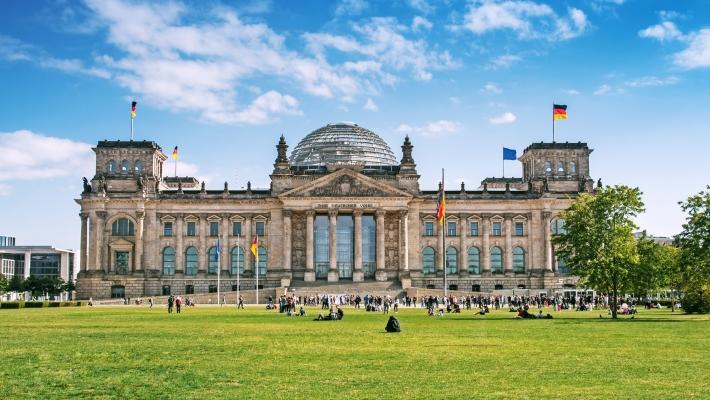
(35,304)
(53,304)
(12,304)
(67,304)
(81,303)
(696,302)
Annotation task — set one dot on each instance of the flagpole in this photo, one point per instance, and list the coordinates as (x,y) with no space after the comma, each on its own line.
(443,227)
(131,128)
(219,271)
(503,162)
(553,122)
(240,233)
(257,269)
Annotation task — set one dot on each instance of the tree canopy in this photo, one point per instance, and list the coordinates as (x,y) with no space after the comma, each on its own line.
(694,244)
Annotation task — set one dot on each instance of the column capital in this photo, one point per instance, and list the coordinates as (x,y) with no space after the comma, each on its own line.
(547,215)
(380,213)
(140,214)
(403,213)
(357,213)
(310,213)
(333,213)
(287,213)
(84,215)
(101,214)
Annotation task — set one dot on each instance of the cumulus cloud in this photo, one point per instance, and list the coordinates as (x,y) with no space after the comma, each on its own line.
(528,19)
(441,127)
(664,31)
(602,90)
(490,87)
(351,7)
(27,155)
(421,6)
(504,61)
(370,105)
(697,55)
(421,23)
(572,92)
(652,81)
(505,118)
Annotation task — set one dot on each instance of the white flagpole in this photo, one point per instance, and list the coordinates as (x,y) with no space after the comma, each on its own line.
(257,269)
(219,271)
(131,128)
(443,232)
(238,269)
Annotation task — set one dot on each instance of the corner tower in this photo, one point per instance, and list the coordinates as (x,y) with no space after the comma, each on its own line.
(556,166)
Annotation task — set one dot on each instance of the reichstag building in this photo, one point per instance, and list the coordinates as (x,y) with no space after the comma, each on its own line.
(340,208)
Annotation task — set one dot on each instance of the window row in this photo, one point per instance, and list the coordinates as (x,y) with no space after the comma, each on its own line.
(124,168)
(429,260)
(191,228)
(474,228)
(236,260)
(560,170)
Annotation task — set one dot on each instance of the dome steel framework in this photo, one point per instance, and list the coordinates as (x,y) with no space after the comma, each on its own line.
(342,143)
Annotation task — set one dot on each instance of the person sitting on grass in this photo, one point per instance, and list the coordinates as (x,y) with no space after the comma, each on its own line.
(301,312)
(340,313)
(441,312)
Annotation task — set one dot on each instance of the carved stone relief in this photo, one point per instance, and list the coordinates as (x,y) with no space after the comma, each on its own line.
(298,241)
(391,239)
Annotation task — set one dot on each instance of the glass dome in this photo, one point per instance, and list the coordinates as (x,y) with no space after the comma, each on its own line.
(342,143)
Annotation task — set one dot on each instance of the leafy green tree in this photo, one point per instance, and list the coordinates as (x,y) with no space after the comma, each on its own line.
(656,264)
(597,242)
(694,243)
(4,284)
(17,284)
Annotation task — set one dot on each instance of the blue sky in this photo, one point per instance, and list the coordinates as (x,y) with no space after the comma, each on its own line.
(223,80)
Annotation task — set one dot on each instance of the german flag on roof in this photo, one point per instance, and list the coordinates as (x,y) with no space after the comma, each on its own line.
(559,111)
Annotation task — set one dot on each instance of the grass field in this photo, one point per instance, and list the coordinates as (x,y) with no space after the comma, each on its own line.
(210,352)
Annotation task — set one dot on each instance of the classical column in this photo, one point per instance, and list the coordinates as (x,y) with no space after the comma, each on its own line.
(309,275)
(287,241)
(546,219)
(138,260)
(225,255)
(380,274)
(202,264)
(247,243)
(463,268)
(82,256)
(404,241)
(358,275)
(100,222)
(508,252)
(333,246)
(179,247)
(486,246)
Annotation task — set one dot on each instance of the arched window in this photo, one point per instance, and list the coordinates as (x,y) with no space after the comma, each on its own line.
(122,227)
(237,261)
(452,260)
(496,260)
(191,261)
(572,167)
(138,166)
(111,167)
(428,260)
(125,167)
(212,260)
(262,260)
(560,168)
(518,260)
(474,261)
(168,261)
(548,168)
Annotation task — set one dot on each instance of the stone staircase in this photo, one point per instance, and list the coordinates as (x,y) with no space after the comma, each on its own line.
(333,288)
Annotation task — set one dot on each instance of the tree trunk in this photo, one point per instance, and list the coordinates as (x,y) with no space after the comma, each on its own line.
(614,300)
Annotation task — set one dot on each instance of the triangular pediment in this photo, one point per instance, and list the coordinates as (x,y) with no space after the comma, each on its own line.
(345,183)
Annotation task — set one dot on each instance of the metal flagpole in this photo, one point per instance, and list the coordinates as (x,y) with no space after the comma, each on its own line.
(238,268)
(131,128)
(175,165)
(503,162)
(257,269)
(553,122)
(443,227)
(219,271)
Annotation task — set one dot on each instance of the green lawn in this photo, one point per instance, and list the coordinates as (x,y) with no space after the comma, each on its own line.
(210,352)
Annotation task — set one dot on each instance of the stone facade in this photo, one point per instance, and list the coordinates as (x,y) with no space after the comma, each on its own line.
(144,233)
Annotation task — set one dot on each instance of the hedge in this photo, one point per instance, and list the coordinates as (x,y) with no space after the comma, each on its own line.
(13,304)
(41,304)
(35,304)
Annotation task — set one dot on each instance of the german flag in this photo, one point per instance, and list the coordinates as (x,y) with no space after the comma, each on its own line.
(559,111)
(255,247)
(441,205)
(175,153)
(133,109)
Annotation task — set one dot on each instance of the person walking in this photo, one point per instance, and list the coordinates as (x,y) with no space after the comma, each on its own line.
(241,302)
(178,303)
(150,302)
(171,300)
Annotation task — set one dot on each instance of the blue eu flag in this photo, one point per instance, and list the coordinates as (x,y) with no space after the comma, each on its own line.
(508,154)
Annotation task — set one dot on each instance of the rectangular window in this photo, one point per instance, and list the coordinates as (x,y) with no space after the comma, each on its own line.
(451,229)
(474,228)
(212,288)
(260,228)
(237,229)
(214,228)
(191,229)
(497,230)
(428,229)
(121,262)
(519,230)
(168,229)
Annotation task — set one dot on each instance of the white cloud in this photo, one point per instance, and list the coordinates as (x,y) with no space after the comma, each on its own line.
(382,40)
(27,155)
(454,100)
(259,111)
(491,88)
(421,22)
(697,55)
(652,81)
(602,90)
(505,118)
(351,7)
(5,189)
(421,6)
(664,31)
(370,105)
(504,61)
(528,19)
(441,127)
(572,92)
